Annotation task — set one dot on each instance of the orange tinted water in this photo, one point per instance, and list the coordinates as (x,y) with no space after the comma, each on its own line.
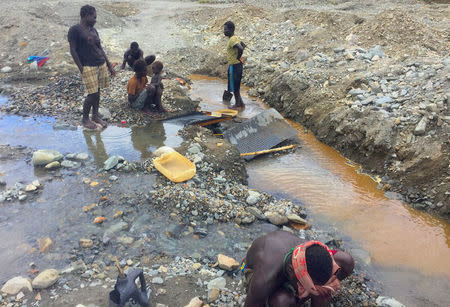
(394,234)
(328,183)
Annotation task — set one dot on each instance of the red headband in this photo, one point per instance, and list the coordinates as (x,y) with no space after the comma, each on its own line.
(305,284)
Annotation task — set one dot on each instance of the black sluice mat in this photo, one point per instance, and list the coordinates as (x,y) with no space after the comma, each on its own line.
(261,132)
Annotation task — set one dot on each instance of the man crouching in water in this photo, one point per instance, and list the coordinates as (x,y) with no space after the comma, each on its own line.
(281,271)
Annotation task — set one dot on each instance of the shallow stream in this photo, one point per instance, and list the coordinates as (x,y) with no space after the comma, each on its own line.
(407,250)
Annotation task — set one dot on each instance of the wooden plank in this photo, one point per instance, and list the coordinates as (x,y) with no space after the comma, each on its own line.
(267,150)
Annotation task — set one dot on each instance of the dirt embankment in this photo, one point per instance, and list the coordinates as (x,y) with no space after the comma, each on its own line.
(371,80)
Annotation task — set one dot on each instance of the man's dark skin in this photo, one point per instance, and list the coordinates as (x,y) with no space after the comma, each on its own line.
(266,256)
(131,55)
(240,47)
(92,100)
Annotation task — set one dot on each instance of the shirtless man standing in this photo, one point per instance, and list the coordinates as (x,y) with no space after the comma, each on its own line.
(88,54)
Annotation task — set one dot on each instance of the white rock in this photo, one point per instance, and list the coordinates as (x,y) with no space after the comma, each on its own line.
(6,69)
(217,283)
(20,296)
(162,150)
(30,188)
(45,279)
(82,156)
(421,127)
(384,301)
(296,219)
(104,113)
(253,197)
(70,164)
(16,284)
(36,183)
(157,280)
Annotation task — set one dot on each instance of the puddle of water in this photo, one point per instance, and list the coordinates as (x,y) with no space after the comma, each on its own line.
(135,143)
(210,90)
(406,245)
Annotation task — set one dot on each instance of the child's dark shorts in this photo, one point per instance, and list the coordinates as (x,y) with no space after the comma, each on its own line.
(234,77)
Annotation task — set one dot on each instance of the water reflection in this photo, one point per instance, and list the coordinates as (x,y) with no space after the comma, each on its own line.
(95,146)
(149,138)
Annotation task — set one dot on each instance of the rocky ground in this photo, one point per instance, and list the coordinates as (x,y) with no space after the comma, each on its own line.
(370,79)
(182,258)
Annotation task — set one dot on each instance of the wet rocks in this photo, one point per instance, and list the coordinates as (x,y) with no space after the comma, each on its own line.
(296,219)
(112,162)
(45,279)
(256,212)
(86,243)
(275,218)
(77,267)
(43,157)
(157,280)
(53,165)
(16,285)
(70,164)
(78,156)
(45,244)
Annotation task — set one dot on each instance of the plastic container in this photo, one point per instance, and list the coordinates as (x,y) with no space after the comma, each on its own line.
(175,167)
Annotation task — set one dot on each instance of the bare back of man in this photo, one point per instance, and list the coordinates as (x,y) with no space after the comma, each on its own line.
(268,284)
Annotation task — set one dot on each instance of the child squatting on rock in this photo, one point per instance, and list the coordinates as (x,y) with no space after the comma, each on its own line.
(142,96)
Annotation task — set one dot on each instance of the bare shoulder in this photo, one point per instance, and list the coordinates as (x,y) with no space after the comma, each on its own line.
(272,247)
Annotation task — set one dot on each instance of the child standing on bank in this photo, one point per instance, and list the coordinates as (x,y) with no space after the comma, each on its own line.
(235,48)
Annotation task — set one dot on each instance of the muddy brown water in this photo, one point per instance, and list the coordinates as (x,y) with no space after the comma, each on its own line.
(407,250)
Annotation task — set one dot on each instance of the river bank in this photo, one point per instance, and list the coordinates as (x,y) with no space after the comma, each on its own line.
(173,231)
(55,91)
(334,67)
(341,70)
